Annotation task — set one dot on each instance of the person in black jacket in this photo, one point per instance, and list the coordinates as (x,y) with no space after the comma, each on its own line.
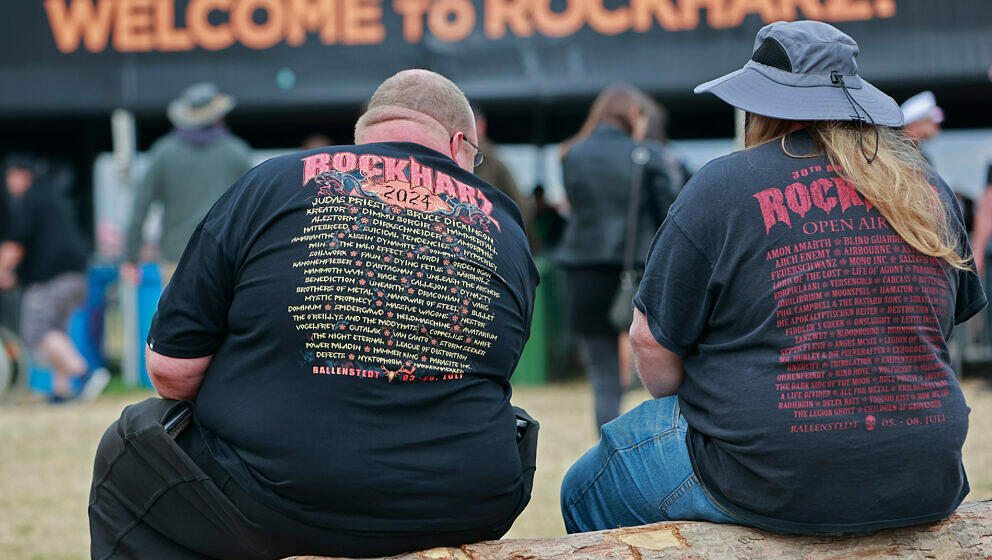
(598,173)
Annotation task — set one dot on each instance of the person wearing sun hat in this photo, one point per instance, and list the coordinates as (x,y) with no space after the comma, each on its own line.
(188,170)
(922,116)
(792,320)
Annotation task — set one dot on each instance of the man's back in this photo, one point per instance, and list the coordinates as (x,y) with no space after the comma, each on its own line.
(365,306)
(187,178)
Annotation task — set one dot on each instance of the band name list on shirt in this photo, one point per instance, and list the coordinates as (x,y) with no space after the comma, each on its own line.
(863,310)
(396,283)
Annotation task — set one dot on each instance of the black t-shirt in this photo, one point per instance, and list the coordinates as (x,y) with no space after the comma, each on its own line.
(43,221)
(365,306)
(818,387)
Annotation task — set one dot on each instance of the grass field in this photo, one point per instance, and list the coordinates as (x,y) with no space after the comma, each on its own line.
(46,456)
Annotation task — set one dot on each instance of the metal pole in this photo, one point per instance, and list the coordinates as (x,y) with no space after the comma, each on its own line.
(123,134)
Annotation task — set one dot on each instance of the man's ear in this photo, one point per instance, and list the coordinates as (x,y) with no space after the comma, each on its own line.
(455,144)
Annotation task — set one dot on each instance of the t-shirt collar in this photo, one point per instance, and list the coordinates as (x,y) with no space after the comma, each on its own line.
(413,146)
(800,143)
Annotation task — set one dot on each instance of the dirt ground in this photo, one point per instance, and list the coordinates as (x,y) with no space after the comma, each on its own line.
(46,456)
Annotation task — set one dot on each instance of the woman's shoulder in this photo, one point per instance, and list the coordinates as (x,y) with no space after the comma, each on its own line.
(715,178)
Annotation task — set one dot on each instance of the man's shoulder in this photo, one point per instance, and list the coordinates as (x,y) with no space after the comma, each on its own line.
(237,144)
(167,144)
(714,175)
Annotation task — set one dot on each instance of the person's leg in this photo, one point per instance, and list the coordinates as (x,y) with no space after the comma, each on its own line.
(599,352)
(45,311)
(57,350)
(638,473)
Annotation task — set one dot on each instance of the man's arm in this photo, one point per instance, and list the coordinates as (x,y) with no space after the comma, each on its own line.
(660,368)
(144,196)
(11,255)
(176,378)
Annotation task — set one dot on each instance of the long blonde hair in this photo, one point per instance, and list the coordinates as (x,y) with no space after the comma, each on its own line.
(613,105)
(895,182)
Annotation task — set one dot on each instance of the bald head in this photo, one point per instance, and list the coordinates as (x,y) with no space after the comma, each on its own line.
(423,98)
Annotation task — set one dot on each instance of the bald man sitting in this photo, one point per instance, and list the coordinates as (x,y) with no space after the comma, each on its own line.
(334,355)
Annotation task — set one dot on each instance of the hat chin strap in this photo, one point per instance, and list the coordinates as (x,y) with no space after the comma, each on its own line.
(837,78)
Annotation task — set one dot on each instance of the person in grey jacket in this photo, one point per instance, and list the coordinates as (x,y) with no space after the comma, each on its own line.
(598,172)
(189,169)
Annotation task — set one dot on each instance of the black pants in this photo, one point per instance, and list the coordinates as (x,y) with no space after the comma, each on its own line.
(155,497)
(600,354)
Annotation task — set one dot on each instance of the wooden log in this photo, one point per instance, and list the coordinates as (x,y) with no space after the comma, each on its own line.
(966,534)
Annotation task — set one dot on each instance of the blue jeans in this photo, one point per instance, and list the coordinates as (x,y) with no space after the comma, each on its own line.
(638,473)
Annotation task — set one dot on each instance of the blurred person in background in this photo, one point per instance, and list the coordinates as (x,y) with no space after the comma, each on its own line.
(546,224)
(752,359)
(922,118)
(45,253)
(315,140)
(492,169)
(982,241)
(656,138)
(188,170)
(599,173)
(8,298)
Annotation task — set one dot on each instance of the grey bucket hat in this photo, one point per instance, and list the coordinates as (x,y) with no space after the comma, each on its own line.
(804,71)
(200,105)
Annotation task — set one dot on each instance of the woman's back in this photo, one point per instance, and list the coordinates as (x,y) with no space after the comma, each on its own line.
(598,173)
(818,388)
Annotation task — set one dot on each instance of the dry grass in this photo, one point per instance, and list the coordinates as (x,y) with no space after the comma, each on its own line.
(46,456)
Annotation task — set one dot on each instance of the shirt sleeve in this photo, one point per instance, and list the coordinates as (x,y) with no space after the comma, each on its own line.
(191,320)
(675,294)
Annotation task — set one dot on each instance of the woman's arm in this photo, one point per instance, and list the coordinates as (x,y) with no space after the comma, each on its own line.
(660,368)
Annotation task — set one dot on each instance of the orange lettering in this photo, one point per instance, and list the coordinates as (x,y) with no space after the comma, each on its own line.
(499,13)
(662,10)
(80,19)
(768,9)
(167,37)
(848,10)
(558,24)
(255,35)
(210,37)
(812,9)
(412,12)
(134,29)
(607,22)
(363,22)
(885,8)
(451,20)
(714,13)
(310,16)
